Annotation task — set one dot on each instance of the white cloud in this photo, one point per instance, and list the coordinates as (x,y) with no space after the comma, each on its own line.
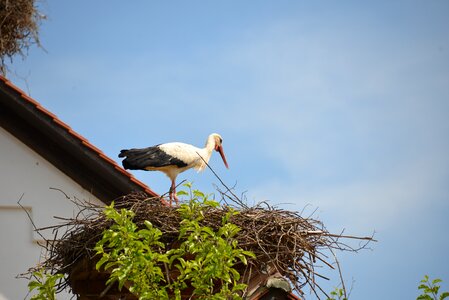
(409,193)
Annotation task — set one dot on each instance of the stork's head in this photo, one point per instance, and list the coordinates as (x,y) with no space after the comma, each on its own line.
(219,147)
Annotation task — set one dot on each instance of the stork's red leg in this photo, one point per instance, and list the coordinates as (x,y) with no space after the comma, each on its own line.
(172,193)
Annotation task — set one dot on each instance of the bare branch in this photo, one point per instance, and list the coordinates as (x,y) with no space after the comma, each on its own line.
(30,218)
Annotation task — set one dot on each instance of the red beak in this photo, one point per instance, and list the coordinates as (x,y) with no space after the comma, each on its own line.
(220,150)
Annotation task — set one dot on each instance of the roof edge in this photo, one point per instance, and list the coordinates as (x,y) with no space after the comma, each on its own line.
(51,121)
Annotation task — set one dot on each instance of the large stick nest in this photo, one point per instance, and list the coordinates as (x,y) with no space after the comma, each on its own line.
(281,239)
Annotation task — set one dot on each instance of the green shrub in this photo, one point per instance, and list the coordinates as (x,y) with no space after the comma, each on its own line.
(205,257)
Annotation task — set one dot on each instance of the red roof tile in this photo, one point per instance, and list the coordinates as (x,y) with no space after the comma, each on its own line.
(89,145)
(39,107)
(61,123)
(28,98)
(112,162)
(73,133)
(120,169)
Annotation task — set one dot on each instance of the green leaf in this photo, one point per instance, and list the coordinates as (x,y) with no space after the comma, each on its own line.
(148,224)
(424,297)
(182,193)
(235,274)
(110,264)
(423,286)
(198,194)
(101,262)
(249,253)
(212,203)
(188,185)
(33,284)
(208,230)
(243,259)
(239,287)
(444,295)
(163,258)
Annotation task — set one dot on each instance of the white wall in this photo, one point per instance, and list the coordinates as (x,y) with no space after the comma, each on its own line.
(23,173)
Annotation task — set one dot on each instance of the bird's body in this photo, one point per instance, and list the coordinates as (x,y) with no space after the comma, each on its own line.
(172,158)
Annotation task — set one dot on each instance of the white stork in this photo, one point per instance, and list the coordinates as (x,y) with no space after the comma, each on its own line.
(173,158)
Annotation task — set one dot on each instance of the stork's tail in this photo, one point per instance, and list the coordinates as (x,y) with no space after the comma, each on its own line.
(135,159)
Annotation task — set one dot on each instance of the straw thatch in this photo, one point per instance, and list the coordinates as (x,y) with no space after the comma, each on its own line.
(19,26)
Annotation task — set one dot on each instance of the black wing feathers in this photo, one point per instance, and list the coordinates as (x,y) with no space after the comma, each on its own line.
(139,159)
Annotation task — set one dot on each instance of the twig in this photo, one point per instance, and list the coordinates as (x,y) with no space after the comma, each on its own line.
(339,273)
(59,190)
(236,199)
(30,218)
(108,287)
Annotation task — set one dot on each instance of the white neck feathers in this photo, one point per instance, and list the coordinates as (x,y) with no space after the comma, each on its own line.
(206,153)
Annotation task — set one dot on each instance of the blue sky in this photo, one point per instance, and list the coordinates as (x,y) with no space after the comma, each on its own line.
(339,106)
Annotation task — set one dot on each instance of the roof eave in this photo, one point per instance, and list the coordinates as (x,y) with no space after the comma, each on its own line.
(43,132)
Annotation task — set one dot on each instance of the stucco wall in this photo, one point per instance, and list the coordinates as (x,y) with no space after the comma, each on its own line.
(23,173)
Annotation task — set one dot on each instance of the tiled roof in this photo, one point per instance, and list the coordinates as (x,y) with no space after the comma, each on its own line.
(85,143)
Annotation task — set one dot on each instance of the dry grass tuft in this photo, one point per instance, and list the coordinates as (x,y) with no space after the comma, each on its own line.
(19,28)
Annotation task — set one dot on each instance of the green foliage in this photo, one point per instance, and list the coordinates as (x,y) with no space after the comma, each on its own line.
(214,252)
(45,284)
(205,257)
(430,289)
(337,294)
(132,255)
